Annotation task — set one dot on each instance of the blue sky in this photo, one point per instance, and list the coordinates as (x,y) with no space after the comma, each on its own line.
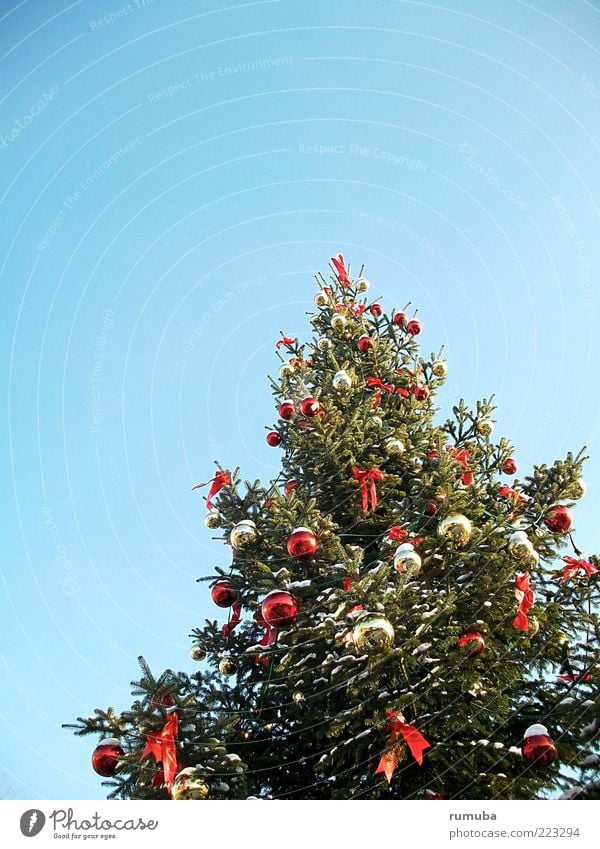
(171,177)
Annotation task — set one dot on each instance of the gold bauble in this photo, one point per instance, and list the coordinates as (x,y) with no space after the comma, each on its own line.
(406,559)
(286,370)
(577,489)
(394,447)
(485,427)
(190,784)
(362,284)
(321,298)
(374,421)
(519,545)
(197,653)
(243,534)
(439,368)
(324,344)
(213,519)
(455,529)
(298,697)
(227,666)
(342,382)
(339,322)
(372,632)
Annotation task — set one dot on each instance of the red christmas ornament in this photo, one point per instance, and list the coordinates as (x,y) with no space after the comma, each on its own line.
(510,467)
(430,509)
(433,455)
(413,327)
(279,609)
(558,519)
(399,319)
(223,594)
(421,392)
(302,544)
(287,410)
(538,748)
(290,486)
(273,439)
(472,642)
(364,343)
(376,310)
(310,406)
(106,756)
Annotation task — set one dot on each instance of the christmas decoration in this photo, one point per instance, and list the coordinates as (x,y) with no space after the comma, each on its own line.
(558,519)
(439,368)
(279,609)
(577,489)
(302,544)
(520,547)
(273,439)
(243,534)
(412,737)
(285,342)
(471,642)
(372,632)
(190,784)
(322,298)
(221,479)
(537,747)
(394,447)
(399,319)
(362,285)
(339,322)
(106,756)
(342,382)
(324,344)
(286,370)
(406,559)
(420,392)
(376,310)
(290,486)
(340,268)
(455,529)
(287,410)
(430,508)
(212,519)
(525,598)
(161,745)
(573,567)
(366,479)
(228,666)
(310,407)
(197,653)
(509,467)
(413,327)
(364,343)
(485,427)
(223,594)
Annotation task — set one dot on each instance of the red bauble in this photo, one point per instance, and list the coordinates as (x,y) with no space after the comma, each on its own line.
(273,439)
(433,455)
(302,544)
(413,327)
(106,756)
(223,594)
(399,319)
(558,519)
(290,486)
(537,747)
(421,392)
(376,310)
(430,509)
(310,406)
(287,410)
(510,467)
(364,344)
(472,642)
(279,609)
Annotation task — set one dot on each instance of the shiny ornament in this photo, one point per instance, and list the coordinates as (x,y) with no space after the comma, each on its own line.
(342,382)
(413,327)
(197,653)
(243,534)
(190,784)
(290,486)
(286,370)
(374,421)
(324,344)
(362,285)
(471,642)
(302,544)
(519,545)
(376,310)
(421,392)
(372,632)
(430,508)
(399,319)
(228,666)
(394,447)
(298,697)
(455,529)
(279,609)
(537,747)
(223,594)
(106,756)
(558,519)
(406,558)
(485,427)
(286,410)
(322,298)
(310,407)
(439,368)
(212,519)
(338,323)
(577,489)
(364,343)
(509,467)
(273,439)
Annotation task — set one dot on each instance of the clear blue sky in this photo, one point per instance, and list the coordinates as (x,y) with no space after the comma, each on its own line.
(171,176)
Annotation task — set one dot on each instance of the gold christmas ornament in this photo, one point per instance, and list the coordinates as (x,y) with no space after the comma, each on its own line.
(228,666)
(485,427)
(375,421)
(321,298)
(439,368)
(197,653)
(339,322)
(520,547)
(406,559)
(362,285)
(342,382)
(243,534)
(286,370)
(212,519)
(577,489)
(394,447)
(324,344)
(372,632)
(190,784)
(298,697)
(455,529)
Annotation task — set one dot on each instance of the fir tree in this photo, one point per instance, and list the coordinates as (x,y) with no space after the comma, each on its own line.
(422,621)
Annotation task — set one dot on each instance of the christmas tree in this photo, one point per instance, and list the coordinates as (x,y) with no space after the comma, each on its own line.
(395,622)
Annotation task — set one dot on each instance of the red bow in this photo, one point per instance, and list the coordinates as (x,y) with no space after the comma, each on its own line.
(285,340)
(462,457)
(161,745)
(366,479)
(526,598)
(269,637)
(220,480)
(571,679)
(386,387)
(234,618)
(397,534)
(413,739)
(505,491)
(338,262)
(356,309)
(572,568)
(347,584)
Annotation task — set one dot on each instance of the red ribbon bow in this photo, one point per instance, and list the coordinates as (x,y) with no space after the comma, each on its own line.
(356,309)
(505,491)
(526,598)
(220,480)
(397,534)
(161,745)
(269,637)
(338,262)
(413,739)
(234,618)
(462,456)
(285,340)
(366,479)
(572,568)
